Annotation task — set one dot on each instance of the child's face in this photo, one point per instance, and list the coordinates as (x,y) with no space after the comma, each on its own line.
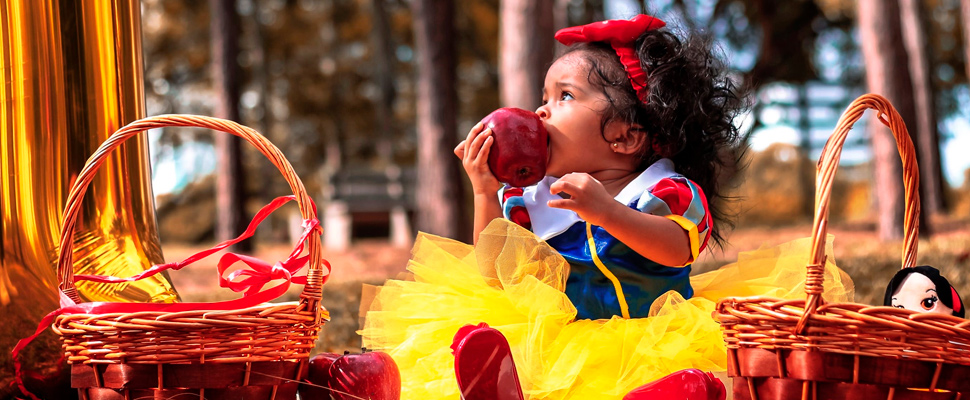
(918,293)
(572,113)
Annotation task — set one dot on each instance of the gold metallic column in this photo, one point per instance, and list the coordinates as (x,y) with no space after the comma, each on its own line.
(72,74)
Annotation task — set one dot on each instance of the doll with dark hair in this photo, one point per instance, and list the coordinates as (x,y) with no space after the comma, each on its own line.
(923,289)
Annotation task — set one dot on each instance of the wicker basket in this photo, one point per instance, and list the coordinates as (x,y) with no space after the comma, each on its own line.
(211,352)
(806,349)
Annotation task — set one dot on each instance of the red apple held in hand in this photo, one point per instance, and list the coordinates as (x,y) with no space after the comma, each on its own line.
(520,146)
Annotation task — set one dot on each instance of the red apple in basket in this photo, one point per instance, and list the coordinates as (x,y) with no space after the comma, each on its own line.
(369,375)
(318,374)
(520,146)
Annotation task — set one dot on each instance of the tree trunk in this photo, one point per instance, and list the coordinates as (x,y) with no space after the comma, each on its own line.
(230,214)
(271,184)
(887,73)
(384,76)
(525,51)
(926,138)
(560,20)
(439,194)
(560,16)
(806,169)
(965,18)
(593,10)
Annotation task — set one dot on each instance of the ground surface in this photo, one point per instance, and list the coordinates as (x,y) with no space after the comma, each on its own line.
(869,262)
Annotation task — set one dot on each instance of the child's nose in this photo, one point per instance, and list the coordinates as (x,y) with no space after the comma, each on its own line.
(542,112)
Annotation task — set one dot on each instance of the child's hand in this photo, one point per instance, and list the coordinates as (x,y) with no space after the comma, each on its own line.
(473,152)
(587,197)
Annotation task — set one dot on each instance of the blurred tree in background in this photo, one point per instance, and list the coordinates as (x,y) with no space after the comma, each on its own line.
(887,73)
(335,84)
(914,21)
(230,196)
(525,51)
(439,194)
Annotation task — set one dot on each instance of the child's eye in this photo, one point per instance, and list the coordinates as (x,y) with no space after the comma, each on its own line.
(566,96)
(544,101)
(928,303)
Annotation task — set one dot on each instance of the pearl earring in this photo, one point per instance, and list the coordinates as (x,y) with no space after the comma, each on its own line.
(615,146)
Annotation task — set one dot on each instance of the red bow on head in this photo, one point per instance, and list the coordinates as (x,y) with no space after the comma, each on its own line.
(620,34)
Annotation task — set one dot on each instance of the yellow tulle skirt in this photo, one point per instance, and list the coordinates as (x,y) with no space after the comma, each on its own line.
(514,281)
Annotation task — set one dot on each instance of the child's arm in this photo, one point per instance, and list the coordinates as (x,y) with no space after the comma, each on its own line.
(487,208)
(652,236)
(473,152)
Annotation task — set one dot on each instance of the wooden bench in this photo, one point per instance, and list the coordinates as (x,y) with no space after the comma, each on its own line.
(366,197)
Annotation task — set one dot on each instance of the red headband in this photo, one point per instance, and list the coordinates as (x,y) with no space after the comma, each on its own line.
(620,34)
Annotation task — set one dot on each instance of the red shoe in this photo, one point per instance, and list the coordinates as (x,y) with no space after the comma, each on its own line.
(689,384)
(484,366)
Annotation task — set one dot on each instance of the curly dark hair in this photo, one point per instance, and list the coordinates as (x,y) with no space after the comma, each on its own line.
(689,113)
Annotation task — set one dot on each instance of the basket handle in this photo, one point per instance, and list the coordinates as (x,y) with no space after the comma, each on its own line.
(312,291)
(828,163)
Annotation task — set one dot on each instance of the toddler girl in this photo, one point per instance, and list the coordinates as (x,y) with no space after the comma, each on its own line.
(636,155)
(587,274)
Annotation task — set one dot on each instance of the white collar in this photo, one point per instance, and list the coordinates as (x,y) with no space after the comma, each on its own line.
(548,222)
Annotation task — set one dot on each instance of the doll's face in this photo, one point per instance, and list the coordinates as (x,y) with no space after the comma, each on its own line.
(918,293)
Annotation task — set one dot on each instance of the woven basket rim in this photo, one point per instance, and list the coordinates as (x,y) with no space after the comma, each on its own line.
(770,337)
(155,333)
(312,292)
(825,172)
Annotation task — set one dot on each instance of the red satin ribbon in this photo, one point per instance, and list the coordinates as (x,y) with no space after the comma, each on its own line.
(252,282)
(957,304)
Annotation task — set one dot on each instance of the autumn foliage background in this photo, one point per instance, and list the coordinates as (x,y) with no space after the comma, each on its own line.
(335,84)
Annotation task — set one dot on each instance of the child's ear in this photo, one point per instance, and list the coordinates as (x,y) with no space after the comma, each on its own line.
(629,139)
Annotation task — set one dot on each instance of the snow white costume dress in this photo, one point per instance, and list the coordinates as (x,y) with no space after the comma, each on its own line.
(585,316)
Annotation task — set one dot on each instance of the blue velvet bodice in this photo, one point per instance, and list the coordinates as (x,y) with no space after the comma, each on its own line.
(659,190)
(641,279)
